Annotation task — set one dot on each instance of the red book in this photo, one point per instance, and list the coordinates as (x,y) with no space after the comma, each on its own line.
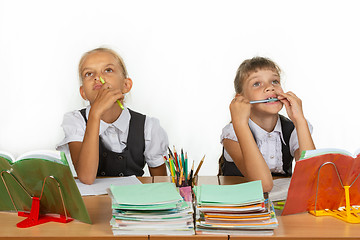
(308,182)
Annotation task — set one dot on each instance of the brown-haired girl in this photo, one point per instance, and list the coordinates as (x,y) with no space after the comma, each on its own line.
(259,142)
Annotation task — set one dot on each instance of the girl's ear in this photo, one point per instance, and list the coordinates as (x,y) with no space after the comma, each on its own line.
(127,85)
(82,93)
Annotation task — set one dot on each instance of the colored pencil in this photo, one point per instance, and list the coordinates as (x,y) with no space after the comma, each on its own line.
(186,165)
(198,168)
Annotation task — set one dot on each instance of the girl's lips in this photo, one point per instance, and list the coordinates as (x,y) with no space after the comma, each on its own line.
(275,102)
(97,86)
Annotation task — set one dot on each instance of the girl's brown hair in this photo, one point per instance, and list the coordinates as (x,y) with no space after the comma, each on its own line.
(250,66)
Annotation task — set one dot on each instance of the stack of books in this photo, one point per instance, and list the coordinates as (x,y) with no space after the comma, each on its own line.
(150,209)
(239,209)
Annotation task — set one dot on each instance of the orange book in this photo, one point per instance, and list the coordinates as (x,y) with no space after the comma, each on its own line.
(308,184)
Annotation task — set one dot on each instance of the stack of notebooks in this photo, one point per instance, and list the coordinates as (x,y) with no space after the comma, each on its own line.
(150,209)
(234,210)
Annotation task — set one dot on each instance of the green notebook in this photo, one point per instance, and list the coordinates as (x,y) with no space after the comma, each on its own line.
(30,170)
(323,151)
(238,194)
(153,207)
(146,194)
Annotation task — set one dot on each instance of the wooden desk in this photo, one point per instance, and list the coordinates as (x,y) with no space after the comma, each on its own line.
(298,226)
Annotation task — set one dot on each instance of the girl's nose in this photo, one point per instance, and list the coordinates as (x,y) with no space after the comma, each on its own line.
(269,88)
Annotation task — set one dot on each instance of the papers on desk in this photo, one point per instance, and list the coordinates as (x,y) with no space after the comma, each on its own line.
(101,184)
(150,209)
(239,208)
(280,189)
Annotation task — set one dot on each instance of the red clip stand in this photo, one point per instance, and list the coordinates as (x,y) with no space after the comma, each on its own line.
(34,218)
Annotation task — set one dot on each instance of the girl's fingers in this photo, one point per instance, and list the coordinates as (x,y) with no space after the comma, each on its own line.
(290,97)
(291,93)
(108,94)
(239,98)
(106,86)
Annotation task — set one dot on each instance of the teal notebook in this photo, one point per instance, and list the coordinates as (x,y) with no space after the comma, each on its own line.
(238,194)
(146,194)
(152,207)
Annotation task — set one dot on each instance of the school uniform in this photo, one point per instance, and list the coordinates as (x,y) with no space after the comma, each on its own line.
(125,146)
(277,147)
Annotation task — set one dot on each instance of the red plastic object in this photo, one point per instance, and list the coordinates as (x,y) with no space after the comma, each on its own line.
(34,218)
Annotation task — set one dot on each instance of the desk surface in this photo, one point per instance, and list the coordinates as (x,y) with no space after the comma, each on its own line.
(298,226)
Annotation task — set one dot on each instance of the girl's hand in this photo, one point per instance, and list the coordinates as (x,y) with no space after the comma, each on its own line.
(294,110)
(106,98)
(240,110)
(293,106)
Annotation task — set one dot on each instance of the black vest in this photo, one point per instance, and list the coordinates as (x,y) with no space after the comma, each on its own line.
(230,169)
(131,161)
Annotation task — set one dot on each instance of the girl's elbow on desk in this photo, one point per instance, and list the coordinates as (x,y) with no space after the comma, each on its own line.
(266,182)
(86,179)
(158,171)
(267,185)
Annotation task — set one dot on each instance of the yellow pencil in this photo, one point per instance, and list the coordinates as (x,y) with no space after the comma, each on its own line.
(198,168)
(173,170)
(168,166)
(118,102)
(181,177)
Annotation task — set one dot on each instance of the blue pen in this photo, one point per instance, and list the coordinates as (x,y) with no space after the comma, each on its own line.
(265,100)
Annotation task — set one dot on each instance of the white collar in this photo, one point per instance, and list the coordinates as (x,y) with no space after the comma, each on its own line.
(121,123)
(260,134)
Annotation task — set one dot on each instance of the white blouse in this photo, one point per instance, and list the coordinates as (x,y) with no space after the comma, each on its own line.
(114,135)
(269,143)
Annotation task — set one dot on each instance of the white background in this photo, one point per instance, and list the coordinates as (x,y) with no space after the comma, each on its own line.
(182,57)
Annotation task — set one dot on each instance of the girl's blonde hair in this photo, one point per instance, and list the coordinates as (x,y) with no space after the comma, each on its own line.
(250,66)
(108,50)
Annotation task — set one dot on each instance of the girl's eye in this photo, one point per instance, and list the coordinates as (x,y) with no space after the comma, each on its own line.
(275,82)
(88,74)
(256,84)
(108,70)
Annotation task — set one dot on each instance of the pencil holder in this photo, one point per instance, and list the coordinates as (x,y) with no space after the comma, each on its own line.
(186,193)
(177,165)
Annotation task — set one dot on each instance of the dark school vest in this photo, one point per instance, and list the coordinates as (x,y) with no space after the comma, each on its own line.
(230,169)
(131,161)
